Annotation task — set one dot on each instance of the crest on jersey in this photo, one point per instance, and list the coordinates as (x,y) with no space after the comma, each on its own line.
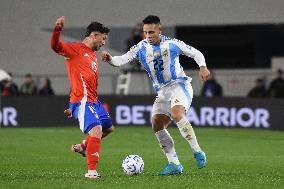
(149,55)
(165,53)
(157,54)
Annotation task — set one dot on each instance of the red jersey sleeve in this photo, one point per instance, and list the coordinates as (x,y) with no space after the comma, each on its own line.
(60,47)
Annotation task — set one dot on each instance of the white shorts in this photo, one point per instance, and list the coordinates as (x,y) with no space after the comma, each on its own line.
(180,93)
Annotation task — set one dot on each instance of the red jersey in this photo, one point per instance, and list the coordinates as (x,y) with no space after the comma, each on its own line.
(81,65)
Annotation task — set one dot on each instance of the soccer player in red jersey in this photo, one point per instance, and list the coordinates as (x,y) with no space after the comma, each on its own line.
(84,107)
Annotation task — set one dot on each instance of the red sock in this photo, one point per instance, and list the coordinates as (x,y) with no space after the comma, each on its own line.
(84,142)
(93,152)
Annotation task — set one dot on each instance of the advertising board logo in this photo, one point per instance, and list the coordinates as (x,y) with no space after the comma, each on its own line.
(8,116)
(204,116)
(230,117)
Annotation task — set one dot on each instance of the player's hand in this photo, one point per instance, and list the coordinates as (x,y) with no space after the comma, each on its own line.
(68,113)
(60,22)
(204,73)
(106,57)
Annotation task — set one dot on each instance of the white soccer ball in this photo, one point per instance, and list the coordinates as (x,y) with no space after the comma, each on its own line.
(133,165)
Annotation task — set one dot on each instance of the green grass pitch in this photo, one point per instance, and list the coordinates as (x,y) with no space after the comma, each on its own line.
(237,158)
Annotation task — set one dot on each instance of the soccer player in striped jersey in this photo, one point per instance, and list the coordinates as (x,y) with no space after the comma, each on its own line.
(84,107)
(159,56)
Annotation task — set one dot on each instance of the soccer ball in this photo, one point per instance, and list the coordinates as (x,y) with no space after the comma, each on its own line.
(133,165)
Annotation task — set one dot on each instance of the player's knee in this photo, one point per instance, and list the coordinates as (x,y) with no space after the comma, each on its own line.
(177,113)
(157,127)
(159,123)
(176,117)
(96,132)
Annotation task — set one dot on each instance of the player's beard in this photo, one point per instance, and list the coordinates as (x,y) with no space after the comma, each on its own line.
(96,48)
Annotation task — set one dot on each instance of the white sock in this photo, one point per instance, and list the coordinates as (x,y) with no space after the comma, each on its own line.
(187,132)
(92,172)
(167,144)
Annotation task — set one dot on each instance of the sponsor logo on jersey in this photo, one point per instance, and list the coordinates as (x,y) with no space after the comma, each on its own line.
(165,53)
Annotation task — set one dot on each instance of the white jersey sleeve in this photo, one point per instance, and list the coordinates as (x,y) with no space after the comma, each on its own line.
(125,58)
(191,52)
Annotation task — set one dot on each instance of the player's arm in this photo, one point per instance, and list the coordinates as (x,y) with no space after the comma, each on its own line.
(197,56)
(120,60)
(116,60)
(56,44)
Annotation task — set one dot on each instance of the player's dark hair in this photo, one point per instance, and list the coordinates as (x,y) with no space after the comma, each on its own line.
(151,19)
(28,75)
(96,27)
(279,72)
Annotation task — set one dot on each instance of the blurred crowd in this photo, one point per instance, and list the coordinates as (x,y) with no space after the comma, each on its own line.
(136,36)
(275,88)
(28,87)
(210,88)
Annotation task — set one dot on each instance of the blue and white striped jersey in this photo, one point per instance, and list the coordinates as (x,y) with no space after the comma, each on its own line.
(161,61)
